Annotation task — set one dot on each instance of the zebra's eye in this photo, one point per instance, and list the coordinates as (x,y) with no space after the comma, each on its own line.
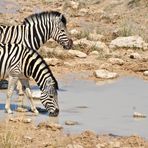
(62,30)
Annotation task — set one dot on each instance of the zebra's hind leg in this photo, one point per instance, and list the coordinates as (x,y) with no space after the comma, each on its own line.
(27,91)
(20,94)
(11,86)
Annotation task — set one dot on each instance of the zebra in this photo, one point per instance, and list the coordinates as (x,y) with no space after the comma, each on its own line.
(18,62)
(36,30)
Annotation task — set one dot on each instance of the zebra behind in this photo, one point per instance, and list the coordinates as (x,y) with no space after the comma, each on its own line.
(37,29)
(20,63)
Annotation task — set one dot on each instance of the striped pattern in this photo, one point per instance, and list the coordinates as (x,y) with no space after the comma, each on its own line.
(36,30)
(23,63)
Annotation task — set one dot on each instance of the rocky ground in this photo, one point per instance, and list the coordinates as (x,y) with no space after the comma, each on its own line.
(110,40)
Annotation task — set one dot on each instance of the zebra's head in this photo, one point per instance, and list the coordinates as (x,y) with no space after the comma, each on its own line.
(49,98)
(59,30)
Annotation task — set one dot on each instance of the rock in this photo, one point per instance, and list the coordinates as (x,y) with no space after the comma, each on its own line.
(20,119)
(83,12)
(52,61)
(20,109)
(104,74)
(101,145)
(3,84)
(96,37)
(74,146)
(74,5)
(92,44)
(114,144)
(116,61)
(145,73)
(69,122)
(52,126)
(28,138)
(129,42)
(78,53)
(75,32)
(138,115)
(94,53)
(135,55)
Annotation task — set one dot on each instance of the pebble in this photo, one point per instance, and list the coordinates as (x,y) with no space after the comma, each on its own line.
(105,74)
(69,122)
(74,146)
(145,73)
(138,115)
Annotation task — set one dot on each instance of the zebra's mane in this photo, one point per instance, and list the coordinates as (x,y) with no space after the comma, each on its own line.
(45,13)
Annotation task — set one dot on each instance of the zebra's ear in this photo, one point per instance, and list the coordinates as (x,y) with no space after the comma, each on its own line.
(61,15)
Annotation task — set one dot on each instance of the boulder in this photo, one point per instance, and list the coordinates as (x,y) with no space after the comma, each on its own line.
(52,61)
(116,61)
(94,53)
(145,73)
(78,53)
(98,45)
(129,42)
(135,55)
(105,74)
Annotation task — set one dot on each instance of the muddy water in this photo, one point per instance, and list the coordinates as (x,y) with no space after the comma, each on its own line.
(104,108)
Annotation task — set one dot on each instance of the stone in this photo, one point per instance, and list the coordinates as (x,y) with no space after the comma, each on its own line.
(69,122)
(20,109)
(75,32)
(78,53)
(96,37)
(138,115)
(20,119)
(135,55)
(83,12)
(105,74)
(94,53)
(145,73)
(52,61)
(116,61)
(74,146)
(129,42)
(52,126)
(98,45)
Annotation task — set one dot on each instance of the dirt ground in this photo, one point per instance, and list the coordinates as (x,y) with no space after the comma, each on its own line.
(27,135)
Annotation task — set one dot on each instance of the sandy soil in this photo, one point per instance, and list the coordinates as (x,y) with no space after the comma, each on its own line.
(26,135)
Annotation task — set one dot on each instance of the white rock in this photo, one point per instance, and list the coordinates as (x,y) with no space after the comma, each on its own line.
(83,11)
(129,42)
(78,53)
(69,122)
(145,73)
(93,44)
(138,115)
(104,74)
(75,32)
(135,55)
(74,146)
(52,61)
(95,37)
(116,61)
(74,5)
(94,53)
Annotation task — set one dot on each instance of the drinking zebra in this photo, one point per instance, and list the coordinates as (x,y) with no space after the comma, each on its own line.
(20,63)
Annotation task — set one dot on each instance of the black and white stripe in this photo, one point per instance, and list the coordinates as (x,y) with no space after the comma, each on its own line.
(20,63)
(37,29)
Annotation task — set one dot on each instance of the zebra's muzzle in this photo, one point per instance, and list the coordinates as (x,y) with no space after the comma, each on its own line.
(69,44)
(55,113)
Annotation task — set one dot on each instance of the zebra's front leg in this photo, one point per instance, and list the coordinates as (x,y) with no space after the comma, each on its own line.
(11,86)
(20,94)
(27,91)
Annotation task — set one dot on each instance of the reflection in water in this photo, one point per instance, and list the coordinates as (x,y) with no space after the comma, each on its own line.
(104,108)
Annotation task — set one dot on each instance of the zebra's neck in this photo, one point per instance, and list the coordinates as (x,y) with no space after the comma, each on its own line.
(37,32)
(34,66)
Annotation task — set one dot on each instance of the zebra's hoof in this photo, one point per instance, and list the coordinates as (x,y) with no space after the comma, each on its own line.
(35,111)
(9,111)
